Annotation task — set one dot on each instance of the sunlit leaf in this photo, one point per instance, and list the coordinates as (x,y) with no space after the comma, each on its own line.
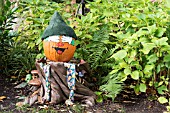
(152,58)
(2,98)
(127,71)
(162,100)
(167,3)
(135,75)
(141,16)
(167,58)
(142,87)
(159,32)
(148,68)
(147,47)
(120,54)
(161,89)
(98,92)
(99,98)
(136,88)
(161,41)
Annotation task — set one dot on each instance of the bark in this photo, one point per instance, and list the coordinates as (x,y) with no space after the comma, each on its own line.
(59,91)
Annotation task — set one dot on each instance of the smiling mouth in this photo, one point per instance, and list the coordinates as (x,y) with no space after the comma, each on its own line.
(59,50)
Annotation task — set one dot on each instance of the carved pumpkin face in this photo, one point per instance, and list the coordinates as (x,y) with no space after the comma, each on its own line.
(59,49)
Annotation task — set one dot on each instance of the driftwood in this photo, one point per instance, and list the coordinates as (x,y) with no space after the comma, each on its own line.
(59,91)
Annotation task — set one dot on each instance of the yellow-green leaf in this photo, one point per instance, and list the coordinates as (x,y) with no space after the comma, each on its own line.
(135,75)
(162,100)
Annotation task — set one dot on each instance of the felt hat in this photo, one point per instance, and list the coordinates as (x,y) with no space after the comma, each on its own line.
(57,26)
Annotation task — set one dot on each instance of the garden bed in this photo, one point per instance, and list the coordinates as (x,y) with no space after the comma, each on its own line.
(124,103)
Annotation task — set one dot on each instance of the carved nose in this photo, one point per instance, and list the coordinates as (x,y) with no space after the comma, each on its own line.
(59,44)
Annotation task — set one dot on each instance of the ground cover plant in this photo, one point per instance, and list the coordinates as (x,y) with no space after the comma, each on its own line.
(132,42)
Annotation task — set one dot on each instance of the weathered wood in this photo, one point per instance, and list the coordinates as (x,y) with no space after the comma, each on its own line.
(59,91)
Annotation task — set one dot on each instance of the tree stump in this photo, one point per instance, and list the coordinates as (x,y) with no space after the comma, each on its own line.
(58,87)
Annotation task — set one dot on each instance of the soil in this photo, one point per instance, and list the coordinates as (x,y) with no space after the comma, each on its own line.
(124,103)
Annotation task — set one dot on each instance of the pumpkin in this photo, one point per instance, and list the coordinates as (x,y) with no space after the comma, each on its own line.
(59,51)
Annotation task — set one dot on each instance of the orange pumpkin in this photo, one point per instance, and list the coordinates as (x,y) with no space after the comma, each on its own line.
(59,51)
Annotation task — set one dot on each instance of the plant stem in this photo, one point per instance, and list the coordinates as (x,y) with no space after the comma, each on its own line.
(1,7)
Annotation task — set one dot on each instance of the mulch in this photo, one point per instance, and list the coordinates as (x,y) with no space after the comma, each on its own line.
(129,104)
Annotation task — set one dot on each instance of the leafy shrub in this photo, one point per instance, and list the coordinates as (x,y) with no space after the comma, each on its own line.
(7,15)
(123,42)
(35,15)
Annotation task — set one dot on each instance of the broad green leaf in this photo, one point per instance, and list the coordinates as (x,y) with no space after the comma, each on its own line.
(133,53)
(99,98)
(151,83)
(139,67)
(136,89)
(139,33)
(158,68)
(161,41)
(122,76)
(77,42)
(127,71)
(142,87)
(120,54)
(130,60)
(160,31)
(167,58)
(31,45)
(88,36)
(147,47)
(123,64)
(98,92)
(162,100)
(167,64)
(141,74)
(108,13)
(134,63)
(152,28)
(40,46)
(160,83)
(148,68)
(135,75)
(38,41)
(152,58)
(141,16)
(167,3)
(161,89)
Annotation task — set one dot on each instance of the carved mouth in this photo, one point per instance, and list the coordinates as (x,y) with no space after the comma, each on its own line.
(59,50)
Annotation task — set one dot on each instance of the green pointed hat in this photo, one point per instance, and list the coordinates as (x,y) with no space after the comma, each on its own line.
(57,26)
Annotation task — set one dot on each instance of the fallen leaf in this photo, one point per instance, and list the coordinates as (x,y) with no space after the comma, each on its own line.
(43,107)
(13,77)
(2,98)
(19,104)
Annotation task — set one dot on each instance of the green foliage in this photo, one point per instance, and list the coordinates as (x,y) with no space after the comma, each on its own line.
(35,18)
(7,13)
(118,40)
(35,15)
(20,60)
(127,41)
